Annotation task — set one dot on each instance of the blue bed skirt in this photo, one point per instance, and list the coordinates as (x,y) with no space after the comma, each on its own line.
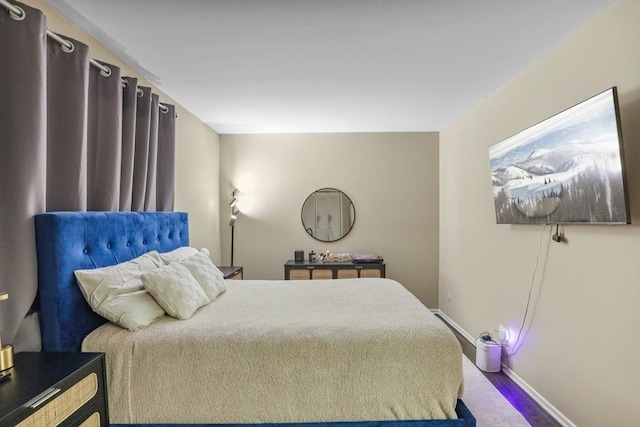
(465,419)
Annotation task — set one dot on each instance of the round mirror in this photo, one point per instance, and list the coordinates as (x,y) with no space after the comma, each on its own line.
(328,215)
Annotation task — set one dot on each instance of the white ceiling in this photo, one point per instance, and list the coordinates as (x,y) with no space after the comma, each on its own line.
(297,66)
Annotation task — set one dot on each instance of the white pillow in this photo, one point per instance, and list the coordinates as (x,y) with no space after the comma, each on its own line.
(177,254)
(175,289)
(117,293)
(210,279)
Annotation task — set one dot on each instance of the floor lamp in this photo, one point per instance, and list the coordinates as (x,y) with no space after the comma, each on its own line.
(233,217)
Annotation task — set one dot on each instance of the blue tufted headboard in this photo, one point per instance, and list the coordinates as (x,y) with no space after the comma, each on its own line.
(69,241)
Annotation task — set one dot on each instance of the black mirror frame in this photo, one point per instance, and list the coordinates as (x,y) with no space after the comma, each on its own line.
(352,207)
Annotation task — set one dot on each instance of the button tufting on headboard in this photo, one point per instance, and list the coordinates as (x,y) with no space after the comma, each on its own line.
(105,238)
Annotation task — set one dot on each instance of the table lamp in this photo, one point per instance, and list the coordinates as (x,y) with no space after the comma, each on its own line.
(6,351)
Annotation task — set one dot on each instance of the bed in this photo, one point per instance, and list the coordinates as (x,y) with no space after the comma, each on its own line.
(264,352)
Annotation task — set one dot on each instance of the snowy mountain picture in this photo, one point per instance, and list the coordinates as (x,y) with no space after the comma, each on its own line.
(566,169)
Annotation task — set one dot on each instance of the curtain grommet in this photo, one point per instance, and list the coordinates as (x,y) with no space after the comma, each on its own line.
(105,71)
(67,49)
(15,16)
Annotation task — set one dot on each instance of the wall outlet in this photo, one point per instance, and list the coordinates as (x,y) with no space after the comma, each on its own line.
(449,297)
(503,335)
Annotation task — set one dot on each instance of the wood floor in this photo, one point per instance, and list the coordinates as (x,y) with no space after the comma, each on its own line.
(529,408)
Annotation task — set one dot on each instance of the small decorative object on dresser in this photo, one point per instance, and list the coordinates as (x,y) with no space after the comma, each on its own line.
(298,256)
(65,389)
(366,257)
(332,270)
(231,272)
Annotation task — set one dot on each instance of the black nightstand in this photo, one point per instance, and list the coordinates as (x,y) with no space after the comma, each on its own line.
(234,273)
(66,389)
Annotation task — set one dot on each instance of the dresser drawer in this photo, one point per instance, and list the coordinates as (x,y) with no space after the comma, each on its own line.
(93,420)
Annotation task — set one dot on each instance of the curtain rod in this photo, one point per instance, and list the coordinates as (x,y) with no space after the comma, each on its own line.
(17,13)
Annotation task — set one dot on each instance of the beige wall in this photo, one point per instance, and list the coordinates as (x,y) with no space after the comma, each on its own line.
(579,348)
(391,178)
(197,146)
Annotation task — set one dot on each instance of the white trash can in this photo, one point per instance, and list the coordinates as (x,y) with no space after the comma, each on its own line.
(488,355)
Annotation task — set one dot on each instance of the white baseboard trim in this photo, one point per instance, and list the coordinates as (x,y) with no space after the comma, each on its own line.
(552,410)
(455,326)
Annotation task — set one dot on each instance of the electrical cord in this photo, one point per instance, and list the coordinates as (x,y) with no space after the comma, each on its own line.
(526,311)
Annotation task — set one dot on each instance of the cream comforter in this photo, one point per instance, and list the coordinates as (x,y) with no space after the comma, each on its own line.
(286,351)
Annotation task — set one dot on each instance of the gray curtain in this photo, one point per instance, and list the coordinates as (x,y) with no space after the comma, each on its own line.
(152,156)
(166,159)
(23,159)
(129,108)
(71,139)
(104,140)
(141,151)
(67,93)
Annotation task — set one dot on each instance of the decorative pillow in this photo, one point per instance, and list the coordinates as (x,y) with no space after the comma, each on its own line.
(177,254)
(117,293)
(210,279)
(175,289)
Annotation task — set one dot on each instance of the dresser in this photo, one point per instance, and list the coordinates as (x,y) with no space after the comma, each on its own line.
(306,270)
(48,389)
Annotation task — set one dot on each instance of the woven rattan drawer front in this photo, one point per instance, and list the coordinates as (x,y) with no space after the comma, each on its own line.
(65,404)
(348,273)
(92,421)
(370,272)
(305,270)
(299,274)
(321,273)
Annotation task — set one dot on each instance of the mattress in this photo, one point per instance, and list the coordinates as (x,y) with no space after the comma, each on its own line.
(286,351)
